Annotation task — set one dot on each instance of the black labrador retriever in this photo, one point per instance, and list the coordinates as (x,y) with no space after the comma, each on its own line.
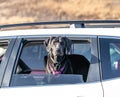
(59,61)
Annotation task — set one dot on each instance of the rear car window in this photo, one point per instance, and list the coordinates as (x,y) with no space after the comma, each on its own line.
(110,57)
(32,60)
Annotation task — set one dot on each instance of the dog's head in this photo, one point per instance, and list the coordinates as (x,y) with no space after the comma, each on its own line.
(58,46)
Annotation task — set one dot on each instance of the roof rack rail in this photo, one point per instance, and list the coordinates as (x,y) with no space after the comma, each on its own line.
(75,23)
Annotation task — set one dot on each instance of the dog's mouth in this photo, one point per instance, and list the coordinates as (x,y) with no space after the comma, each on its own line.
(58,54)
(57,59)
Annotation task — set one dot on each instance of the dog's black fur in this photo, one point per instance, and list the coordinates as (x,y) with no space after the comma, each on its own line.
(73,63)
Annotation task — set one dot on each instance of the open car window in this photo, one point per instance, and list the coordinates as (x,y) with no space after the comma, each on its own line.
(31,65)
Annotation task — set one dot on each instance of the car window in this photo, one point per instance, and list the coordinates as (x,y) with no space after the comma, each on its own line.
(33,53)
(110,57)
(31,65)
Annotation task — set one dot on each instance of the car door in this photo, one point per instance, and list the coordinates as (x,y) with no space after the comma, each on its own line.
(110,62)
(28,69)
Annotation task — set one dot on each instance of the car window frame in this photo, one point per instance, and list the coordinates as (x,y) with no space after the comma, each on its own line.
(6,57)
(9,63)
(18,47)
(94,66)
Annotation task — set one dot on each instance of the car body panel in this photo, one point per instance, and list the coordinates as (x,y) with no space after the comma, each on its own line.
(6,57)
(77,90)
(64,31)
(111,87)
(9,69)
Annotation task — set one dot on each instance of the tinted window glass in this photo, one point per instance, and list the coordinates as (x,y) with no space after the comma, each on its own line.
(110,57)
(33,54)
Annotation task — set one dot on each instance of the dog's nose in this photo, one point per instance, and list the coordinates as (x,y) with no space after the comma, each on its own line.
(57,45)
(58,50)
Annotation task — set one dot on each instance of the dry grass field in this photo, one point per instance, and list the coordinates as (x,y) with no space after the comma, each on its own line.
(20,11)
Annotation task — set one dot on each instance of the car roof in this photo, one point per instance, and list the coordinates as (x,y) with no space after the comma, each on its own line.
(85,27)
(63,31)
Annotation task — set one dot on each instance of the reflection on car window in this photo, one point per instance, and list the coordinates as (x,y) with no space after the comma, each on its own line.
(31,65)
(110,58)
(3,48)
(33,55)
(115,55)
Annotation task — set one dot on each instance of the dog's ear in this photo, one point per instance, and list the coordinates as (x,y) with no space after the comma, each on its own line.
(47,43)
(68,44)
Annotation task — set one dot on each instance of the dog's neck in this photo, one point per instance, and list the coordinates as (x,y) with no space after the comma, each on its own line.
(56,64)
(60,67)
(57,59)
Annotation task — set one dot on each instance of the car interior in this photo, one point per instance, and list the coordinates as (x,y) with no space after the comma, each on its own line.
(31,64)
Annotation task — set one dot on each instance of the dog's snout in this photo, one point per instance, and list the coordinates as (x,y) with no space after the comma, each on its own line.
(58,45)
(58,50)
